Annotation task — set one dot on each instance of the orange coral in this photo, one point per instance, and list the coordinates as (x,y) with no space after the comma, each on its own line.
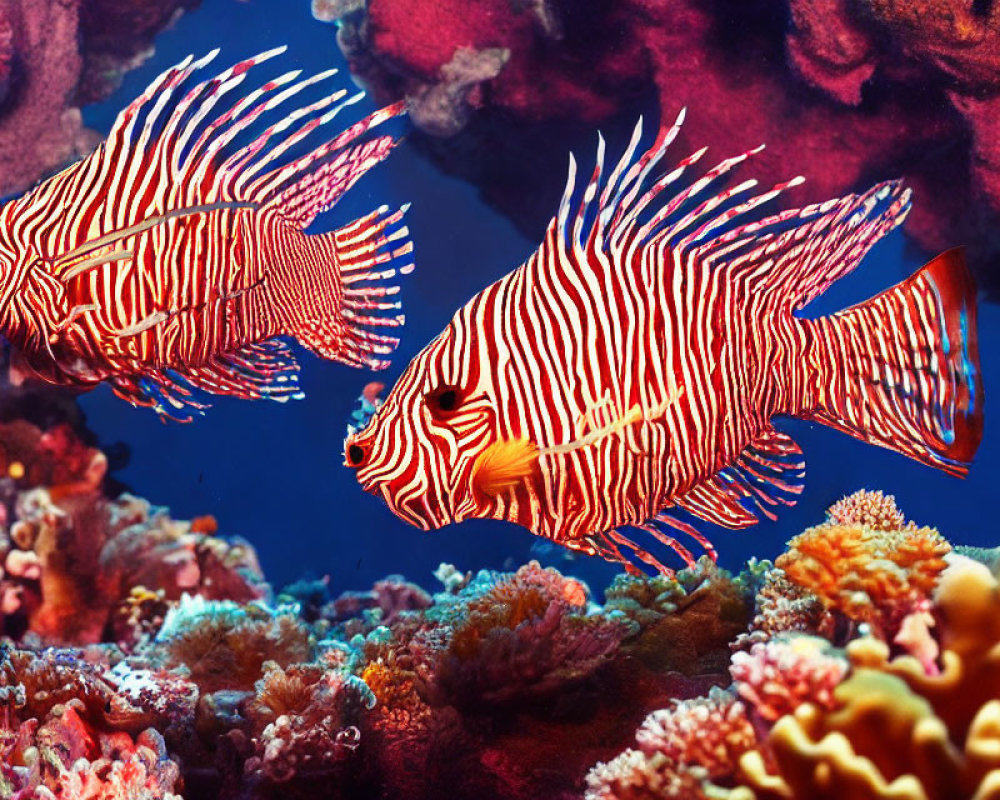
(871,576)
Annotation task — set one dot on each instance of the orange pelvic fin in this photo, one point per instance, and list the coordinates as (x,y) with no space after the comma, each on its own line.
(504,465)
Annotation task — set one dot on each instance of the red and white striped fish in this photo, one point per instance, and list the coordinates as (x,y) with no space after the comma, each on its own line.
(172,257)
(633,364)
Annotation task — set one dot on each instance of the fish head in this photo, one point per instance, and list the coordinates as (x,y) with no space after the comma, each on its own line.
(417,451)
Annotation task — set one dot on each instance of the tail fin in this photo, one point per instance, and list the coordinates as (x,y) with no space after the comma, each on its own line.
(902,370)
(341,290)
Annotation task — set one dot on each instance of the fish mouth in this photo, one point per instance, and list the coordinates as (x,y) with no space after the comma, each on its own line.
(418,510)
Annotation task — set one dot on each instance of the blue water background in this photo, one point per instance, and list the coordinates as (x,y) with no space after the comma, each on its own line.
(272,473)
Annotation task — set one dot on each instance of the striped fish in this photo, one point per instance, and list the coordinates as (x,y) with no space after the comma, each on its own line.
(632,366)
(171,258)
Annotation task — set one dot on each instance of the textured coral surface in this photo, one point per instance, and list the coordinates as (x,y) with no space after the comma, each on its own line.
(55,56)
(842,92)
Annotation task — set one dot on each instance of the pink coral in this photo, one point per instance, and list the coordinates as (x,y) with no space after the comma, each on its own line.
(777,676)
(682,748)
(873,509)
(709,732)
(123,769)
(70,52)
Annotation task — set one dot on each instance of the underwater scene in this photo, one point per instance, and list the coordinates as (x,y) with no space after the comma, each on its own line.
(499,399)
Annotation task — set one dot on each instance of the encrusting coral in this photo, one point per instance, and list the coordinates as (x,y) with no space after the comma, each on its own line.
(58,55)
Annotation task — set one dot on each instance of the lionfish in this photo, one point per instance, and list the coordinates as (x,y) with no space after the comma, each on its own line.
(630,369)
(171,258)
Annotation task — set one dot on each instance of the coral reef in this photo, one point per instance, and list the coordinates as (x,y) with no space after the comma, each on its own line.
(842,92)
(145,657)
(55,56)
(915,717)
(76,564)
(893,729)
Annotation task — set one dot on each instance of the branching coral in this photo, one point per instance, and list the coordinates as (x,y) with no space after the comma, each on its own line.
(872,576)
(681,747)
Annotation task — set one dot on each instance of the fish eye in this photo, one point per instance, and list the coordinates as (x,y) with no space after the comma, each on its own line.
(443,400)
(355,455)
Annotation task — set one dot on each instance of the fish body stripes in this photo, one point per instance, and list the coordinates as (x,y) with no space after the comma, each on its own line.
(633,365)
(171,258)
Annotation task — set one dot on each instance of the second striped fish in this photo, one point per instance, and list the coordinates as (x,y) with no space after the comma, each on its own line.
(632,366)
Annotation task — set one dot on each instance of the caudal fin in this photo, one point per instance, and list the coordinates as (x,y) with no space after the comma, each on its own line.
(902,370)
(344,289)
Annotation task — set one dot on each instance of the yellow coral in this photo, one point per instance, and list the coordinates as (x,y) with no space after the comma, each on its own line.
(898,733)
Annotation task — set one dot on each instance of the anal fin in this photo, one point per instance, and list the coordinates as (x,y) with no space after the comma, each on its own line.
(768,472)
(265,370)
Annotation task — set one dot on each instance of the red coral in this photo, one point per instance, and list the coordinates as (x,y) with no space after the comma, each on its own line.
(886,79)
(70,759)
